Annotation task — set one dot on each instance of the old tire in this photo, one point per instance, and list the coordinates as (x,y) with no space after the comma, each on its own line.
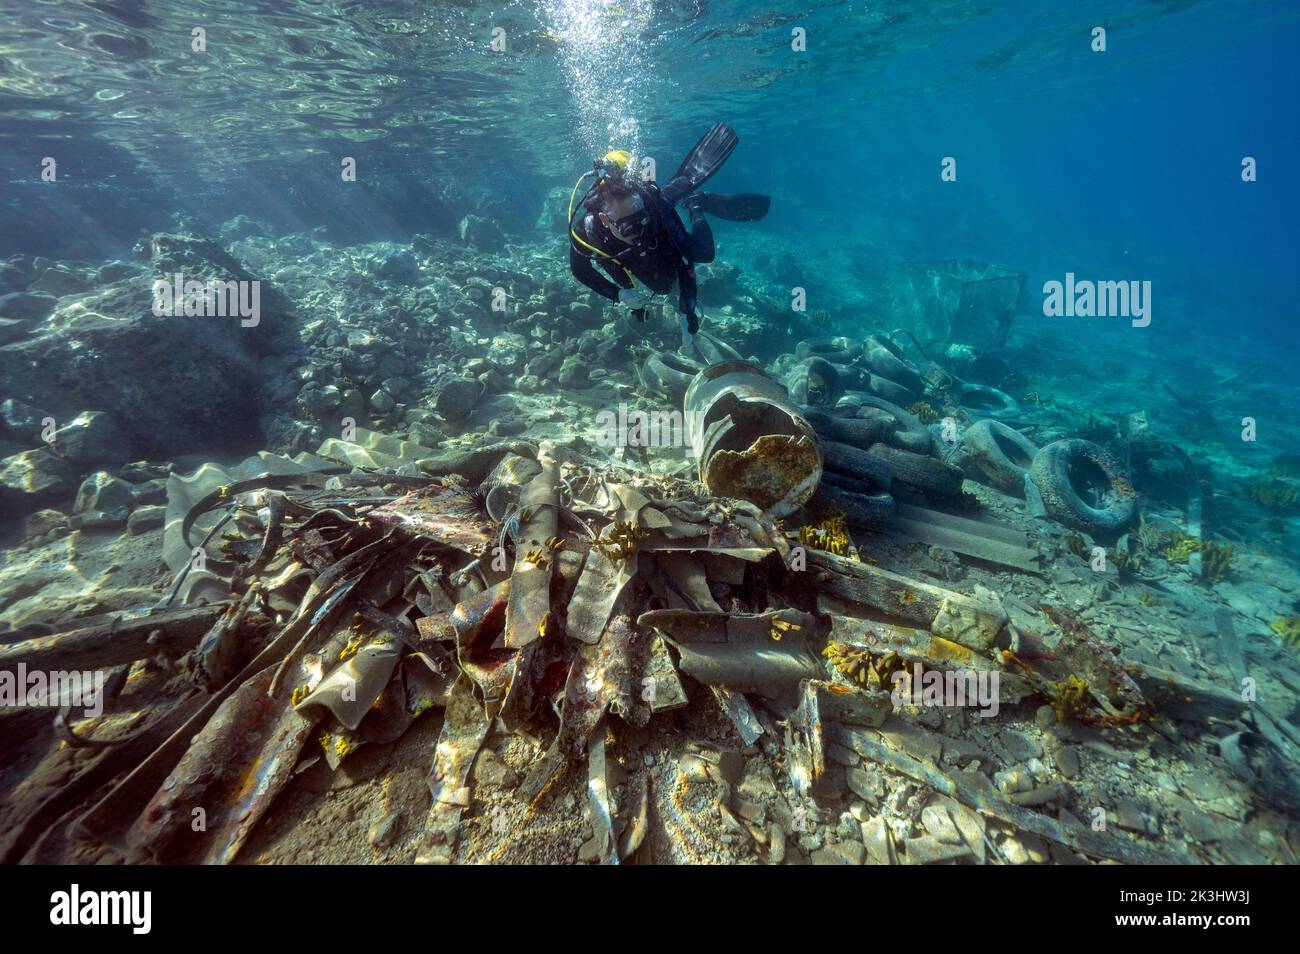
(860,432)
(886,359)
(669,374)
(860,466)
(982,401)
(1084,486)
(713,350)
(911,433)
(891,391)
(927,476)
(1001,453)
(834,350)
(860,510)
(815,382)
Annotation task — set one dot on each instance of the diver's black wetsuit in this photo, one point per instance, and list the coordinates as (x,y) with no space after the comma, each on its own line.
(669,255)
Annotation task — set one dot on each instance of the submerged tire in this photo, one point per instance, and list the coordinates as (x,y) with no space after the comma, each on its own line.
(1065,471)
(713,350)
(925,475)
(834,350)
(860,510)
(917,442)
(887,360)
(891,391)
(867,470)
(986,402)
(911,433)
(814,381)
(860,432)
(1001,453)
(669,374)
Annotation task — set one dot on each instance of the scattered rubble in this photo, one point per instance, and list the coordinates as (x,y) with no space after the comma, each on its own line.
(479,635)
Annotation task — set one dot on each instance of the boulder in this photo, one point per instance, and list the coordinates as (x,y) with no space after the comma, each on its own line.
(175,383)
(317,401)
(457,398)
(574,373)
(399,264)
(102,501)
(353,405)
(508,351)
(424,434)
(27,305)
(553,216)
(482,233)
(33,477)
(22,421)
(42,523)
(92,437)
(11,330)
(145,519)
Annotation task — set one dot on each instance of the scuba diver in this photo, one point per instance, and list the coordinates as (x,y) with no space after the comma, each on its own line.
(632,230)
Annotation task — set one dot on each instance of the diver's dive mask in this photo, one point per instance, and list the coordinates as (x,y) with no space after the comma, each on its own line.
(637,225)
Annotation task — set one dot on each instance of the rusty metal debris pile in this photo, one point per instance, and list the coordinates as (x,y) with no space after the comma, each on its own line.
(565,601)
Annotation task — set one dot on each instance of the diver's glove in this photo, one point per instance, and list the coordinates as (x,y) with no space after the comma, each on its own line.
(634,298)
(690,320)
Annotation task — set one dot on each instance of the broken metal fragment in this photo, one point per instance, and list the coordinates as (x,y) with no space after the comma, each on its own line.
(530,582)
(351,687)
(217,654)
(687,575)
(740,712)
(442,513)
(274,536)
(981,539)
(1180,697)
(1085,656)
(764,653)
(639,816)
(661,687)
(602,819)
(979,795)
(115,639)
(586,700)
(821,701)
(971,624)
(464,728)
(921,646)
(962,619)
(850,705)
(602,582)
(480,612)
(232,771)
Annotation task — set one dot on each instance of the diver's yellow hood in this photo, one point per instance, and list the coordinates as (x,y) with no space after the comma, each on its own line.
(619,158)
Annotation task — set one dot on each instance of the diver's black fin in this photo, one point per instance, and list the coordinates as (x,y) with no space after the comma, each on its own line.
(745,207)
(708,156)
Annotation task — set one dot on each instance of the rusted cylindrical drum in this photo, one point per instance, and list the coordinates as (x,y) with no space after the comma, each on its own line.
(750,440)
